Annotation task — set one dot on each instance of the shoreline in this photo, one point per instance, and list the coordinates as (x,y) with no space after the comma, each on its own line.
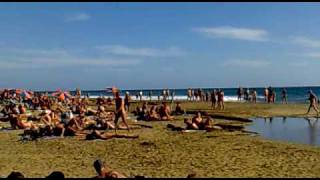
(173,154)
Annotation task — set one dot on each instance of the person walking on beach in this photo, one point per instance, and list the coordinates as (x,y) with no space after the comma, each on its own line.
(266,94)
(246,95)
(140,95)
(270,93)
(172,96)
(220,100)
(120,111)
(254,96)
(127,101)
(196,95)
(239,94)
(274,96)
(313,102)
(284,96)
(214,99)
(200,94)
(192,94)
(164,93)
(207,96)
(189,94)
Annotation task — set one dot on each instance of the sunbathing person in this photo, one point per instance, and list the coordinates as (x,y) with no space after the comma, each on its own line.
(179,110)
(22,109)
(197,122)
(104,171)
(153,115)
(18,123)
(164,112)
(50,118)
(105,136)
(141,115)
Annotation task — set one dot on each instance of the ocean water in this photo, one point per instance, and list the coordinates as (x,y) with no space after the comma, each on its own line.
(295,94)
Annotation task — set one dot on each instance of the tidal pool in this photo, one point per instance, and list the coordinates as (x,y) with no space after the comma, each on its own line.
(296,130)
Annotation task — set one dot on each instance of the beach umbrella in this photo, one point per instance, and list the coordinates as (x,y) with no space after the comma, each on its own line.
(24,93)
(62,95)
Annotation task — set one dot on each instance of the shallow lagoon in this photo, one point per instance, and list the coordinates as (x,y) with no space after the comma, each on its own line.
(296,130)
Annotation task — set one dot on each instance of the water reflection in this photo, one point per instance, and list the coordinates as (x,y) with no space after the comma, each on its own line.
(299,130)
(312,129)
(284,120)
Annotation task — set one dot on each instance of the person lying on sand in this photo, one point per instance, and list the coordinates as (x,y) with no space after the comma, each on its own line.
(105,136)
(197,122)
(72,127)
(17,123)
(104,171)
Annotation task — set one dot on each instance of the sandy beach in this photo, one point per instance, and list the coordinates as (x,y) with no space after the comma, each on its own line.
(159,152)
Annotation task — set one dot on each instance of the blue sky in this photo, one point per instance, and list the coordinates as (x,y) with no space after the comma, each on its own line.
(158,45)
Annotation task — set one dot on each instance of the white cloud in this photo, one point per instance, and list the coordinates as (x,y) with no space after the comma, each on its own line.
(307,54)
(234,33)
(312,55)
(39,58)
(246,63)
(306,42)
(147,52)
(77,17)
(298,64)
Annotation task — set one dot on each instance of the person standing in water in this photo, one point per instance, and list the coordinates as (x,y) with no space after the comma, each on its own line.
(284,96)
(313,102)
(120,111)
(150,95)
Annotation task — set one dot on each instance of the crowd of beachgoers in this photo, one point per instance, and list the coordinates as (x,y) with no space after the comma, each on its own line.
(60,114)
